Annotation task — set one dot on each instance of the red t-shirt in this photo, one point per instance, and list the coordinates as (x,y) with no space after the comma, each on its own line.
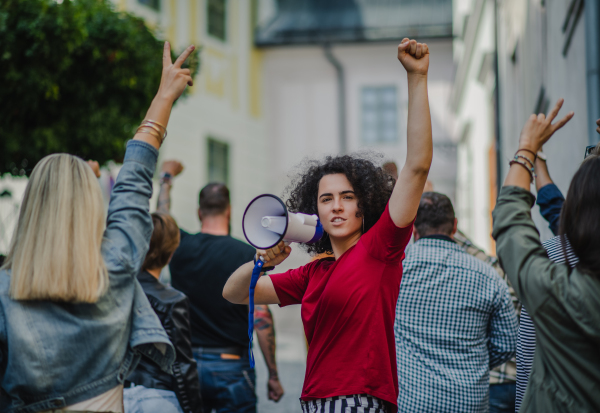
(348,311)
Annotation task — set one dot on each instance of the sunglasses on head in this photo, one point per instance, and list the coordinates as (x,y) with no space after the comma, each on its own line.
(589,150)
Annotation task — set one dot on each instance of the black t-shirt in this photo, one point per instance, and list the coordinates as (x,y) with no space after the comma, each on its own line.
(200,268)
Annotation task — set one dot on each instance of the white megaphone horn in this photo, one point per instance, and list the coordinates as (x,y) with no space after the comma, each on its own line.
(267,222)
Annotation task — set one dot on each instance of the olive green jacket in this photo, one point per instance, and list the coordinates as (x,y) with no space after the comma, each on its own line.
(564,305)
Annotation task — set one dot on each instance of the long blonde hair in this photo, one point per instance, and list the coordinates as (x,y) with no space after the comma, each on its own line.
(55,250)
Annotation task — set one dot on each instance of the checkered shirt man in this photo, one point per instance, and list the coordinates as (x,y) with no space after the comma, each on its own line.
(454,321)
(507,372)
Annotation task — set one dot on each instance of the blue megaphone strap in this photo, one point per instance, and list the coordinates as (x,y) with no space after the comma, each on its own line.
(255,276)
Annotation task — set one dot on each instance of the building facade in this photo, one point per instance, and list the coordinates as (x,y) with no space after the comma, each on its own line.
(472,101)
(516,58)
(219,131)
(333,83)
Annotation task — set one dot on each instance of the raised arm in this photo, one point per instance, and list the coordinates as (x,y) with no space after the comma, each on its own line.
(404,202)
(173,82)
(168,171)
(549,199)
(128,224)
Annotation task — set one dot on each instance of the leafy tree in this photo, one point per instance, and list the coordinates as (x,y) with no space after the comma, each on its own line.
(75,77)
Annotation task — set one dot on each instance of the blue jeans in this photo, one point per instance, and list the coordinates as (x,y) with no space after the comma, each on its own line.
(226,385)
(502,398)
(140,399)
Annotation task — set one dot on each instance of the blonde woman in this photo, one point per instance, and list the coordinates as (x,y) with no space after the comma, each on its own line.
(73,320)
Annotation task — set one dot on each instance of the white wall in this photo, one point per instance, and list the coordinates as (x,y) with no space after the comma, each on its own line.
(474,128)
(301,104)
(535,32)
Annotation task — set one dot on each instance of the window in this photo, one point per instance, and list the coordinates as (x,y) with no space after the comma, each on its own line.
(217,18)
(153,4)
(379,114)
(218,161)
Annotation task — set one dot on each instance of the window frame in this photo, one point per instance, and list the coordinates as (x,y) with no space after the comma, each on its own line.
(380,111)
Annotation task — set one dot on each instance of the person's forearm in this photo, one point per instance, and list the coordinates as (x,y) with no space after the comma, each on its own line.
(164,198)
(159,111)
(518,176)
(237,286)
(265,331)
(419,150)
(543,176)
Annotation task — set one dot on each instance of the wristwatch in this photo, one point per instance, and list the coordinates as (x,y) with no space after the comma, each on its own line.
(165,178)
(542,156)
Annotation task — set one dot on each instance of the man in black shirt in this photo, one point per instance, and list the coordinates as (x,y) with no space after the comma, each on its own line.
(200,268)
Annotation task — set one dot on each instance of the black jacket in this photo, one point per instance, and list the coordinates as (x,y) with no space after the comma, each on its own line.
(172,308)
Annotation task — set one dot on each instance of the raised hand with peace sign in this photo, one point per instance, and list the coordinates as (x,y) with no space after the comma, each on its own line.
(174,78)
(172,84)
(540,128)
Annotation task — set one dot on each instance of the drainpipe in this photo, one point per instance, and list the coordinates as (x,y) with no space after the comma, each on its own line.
(592,62)
(498,142)
(341,82)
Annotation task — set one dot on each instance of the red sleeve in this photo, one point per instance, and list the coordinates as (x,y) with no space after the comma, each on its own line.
(291,285)
(385,241)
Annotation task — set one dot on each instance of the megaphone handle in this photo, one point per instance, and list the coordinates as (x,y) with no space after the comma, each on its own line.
(255,276)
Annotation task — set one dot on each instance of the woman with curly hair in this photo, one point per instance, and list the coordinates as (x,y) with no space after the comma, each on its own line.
(348,300)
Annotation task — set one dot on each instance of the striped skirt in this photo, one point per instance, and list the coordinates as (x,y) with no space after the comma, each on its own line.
(358,403)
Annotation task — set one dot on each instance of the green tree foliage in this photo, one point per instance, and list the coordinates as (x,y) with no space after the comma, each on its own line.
(75,77)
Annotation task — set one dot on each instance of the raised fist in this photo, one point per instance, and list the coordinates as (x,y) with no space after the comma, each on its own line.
(172,167)
(414,56)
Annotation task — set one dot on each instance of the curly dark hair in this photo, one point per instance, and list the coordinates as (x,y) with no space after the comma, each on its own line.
(372,187)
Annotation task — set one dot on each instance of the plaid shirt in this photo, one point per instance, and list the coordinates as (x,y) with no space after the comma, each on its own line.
(507,372)
(454,320)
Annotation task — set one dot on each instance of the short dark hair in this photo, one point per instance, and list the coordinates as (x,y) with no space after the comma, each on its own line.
(435,215)
(580,215)
(163,243)
(213,199)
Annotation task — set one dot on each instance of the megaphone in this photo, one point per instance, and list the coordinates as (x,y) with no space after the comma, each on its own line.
(267,222)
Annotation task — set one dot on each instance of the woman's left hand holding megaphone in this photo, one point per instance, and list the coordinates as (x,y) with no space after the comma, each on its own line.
(274,256)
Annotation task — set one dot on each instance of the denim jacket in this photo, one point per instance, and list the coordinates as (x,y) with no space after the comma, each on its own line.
(54,354)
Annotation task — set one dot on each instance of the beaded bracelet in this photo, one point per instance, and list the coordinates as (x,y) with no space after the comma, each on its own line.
(530,151)
(531,171)
(531,164)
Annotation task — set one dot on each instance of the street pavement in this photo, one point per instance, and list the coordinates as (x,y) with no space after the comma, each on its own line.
(291,362)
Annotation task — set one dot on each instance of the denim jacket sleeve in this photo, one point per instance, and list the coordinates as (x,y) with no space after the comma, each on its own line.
(129,225)
(551,200)
(533,276)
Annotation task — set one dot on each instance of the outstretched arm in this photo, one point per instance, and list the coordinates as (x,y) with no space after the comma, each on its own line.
(237,287)
(406,196)
(549,198)
(172,84)
(265,331)
(169,170)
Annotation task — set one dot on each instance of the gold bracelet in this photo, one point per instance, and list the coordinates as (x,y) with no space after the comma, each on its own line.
(149,125)
(157,124)
(150,131)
